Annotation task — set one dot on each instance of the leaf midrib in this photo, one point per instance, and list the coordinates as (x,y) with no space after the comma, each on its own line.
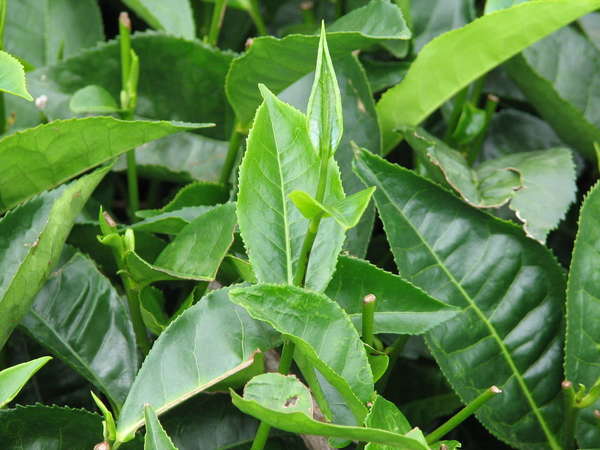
(505,353)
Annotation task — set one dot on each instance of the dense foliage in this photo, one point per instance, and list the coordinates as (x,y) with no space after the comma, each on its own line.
(300,224)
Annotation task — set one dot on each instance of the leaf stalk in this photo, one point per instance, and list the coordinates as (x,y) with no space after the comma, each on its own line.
(216,21)
(256,17)
(232,154)
(368,317)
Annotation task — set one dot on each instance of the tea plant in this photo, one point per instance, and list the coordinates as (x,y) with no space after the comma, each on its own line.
(187,225)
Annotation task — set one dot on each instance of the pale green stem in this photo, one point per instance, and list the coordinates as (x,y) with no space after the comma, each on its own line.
(256,17)
(368,317)
(459,101)
(216,21)
(570,415)
(232,153)
(490,109)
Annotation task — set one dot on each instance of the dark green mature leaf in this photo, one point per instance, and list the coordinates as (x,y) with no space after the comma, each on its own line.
(402,308)
(567,102)
(386,416)
(12,379)
(171,222)
(175,17)
(206,344)
(384,74)
(43,157)
(13,76)
(581,353)
(174,74)
(285,403)
(321,331)
(468,53)
(45,32)
(156,437)
(295,54)
(360,126)
(280,159)
(74,315)
(589,24)
(31,240)
(510,290)
(539,186)
(434,17)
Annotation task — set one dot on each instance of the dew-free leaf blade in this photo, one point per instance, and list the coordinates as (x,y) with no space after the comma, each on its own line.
(386,416)
(321,330)
(93,99)
(156,437)
(402,308)
(467,54)
(582,304)
(285,403)
(75,313)
(12,76)
(31,240)
(510,290)
(209,342)
(45,156)
(12,379)
(174,17)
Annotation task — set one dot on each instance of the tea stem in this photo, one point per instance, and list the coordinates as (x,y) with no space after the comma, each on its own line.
(259,23)
(216,21)
(490,109)
(368,316)
(462,415)
(232,153)
(570,414)
(459,101)
(393,352)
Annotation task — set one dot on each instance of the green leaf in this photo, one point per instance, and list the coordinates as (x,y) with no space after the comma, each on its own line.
(295,54)
(510,290)
(589,24)
(75,313)
(346,212)
(285,403)
(171,222)
(384,74)
(402,308)
(193,194)
(434,17)
(200,73)
(324,110)
(386,416)
(156,437)
(563,102)
(93,99)
(12,79)
(152,302)
(43,33)
(12,379)
(209,342)
(582,304)
(175,17)
(280,159)
(43,157)
(321,331)
(55,428)
(109,427)
(483,44)
(539,186)
(31,240)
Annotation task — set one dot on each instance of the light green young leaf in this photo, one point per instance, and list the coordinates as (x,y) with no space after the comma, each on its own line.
(279,160)
(324,110)
(402,308)
(509,288)
(208,343)
(175,17)
(468,53)
(152,303)
(567,99)
(346,212)
(43,157)
(109,426)
(200,193)
(156,437)
(386,416)
(75,313)
(27,255)
(582,306)
(12,379)
(285,403)
(321,331)
(539,185)
(12,76)
(93,99)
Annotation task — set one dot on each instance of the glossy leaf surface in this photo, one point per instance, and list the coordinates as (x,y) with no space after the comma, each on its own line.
(321,330)
(510,290)
(582,305)
(468,53)
(280,159)
(12,79)
(12,379)
(206,344)
(434,17)
(283,402)
(567,99)
(402,308)
(74,315)
(156,437)
(174,17)
(43,157)
(31,240)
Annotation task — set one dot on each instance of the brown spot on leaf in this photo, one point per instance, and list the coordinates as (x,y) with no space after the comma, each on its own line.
(291,401)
